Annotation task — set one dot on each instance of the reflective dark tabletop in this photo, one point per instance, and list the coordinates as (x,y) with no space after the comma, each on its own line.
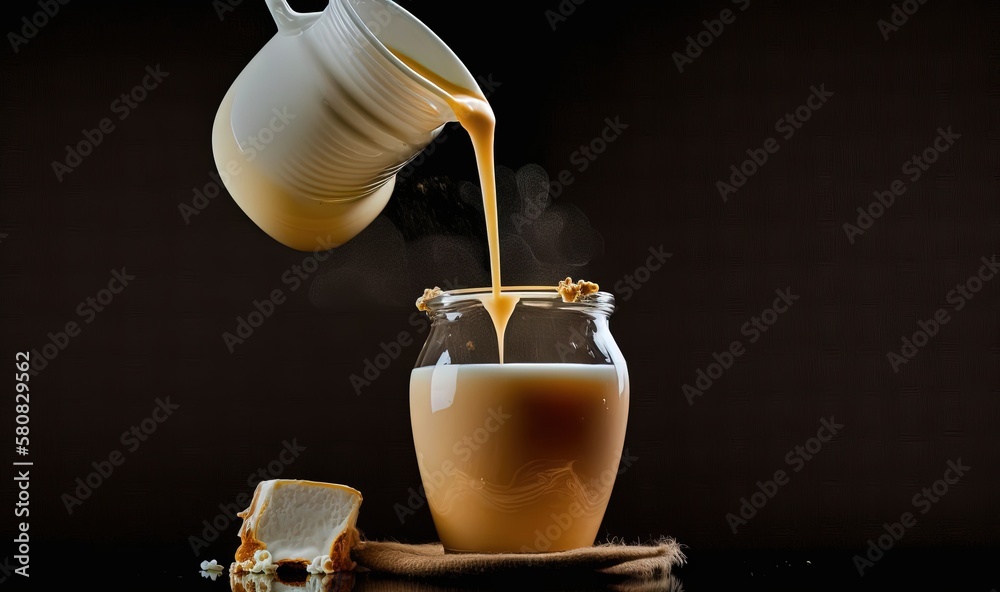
(159,567)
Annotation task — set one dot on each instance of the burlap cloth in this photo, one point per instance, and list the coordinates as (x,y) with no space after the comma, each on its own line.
(614,565)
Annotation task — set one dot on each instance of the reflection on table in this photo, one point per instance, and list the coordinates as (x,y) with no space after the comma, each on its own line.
(294,582)
(370,582)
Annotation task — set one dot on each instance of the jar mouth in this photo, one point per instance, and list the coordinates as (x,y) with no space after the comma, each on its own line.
(534,296)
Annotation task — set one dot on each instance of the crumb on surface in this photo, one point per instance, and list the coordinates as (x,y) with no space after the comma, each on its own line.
(428,294)
(470,346)
(572,291)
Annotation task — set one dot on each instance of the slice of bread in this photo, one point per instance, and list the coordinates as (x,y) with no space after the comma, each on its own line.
(307,525)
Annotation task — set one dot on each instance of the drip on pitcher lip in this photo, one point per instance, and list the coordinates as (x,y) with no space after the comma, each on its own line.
(535,296)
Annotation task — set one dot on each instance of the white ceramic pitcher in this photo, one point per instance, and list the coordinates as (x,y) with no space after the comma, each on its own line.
(309,137)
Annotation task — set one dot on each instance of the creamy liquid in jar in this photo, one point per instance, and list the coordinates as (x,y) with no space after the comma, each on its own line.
(518,457)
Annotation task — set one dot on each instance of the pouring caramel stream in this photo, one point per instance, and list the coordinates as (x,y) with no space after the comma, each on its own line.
(475,115)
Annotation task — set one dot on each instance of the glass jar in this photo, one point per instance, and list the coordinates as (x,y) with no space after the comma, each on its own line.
(519,457)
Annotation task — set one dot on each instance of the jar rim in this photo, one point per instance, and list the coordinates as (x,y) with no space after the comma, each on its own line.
(536,296)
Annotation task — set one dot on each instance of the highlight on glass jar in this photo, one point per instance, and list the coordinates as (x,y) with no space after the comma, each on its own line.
(519,457)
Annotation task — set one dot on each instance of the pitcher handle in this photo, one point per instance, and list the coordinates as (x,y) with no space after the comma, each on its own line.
(290,22)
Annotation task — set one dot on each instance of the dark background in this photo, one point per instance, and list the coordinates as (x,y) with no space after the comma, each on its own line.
(654,186)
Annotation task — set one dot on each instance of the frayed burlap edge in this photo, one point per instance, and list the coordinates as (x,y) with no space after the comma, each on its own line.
(613,558)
